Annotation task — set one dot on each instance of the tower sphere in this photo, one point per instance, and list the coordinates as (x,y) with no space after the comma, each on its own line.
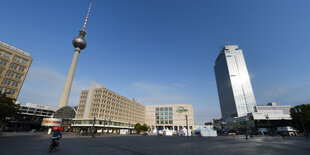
(79,41)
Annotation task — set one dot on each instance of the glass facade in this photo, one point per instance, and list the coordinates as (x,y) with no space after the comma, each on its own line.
(233,83)
(164,115)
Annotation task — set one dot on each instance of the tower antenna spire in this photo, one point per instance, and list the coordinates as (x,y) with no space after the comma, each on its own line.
(87,15)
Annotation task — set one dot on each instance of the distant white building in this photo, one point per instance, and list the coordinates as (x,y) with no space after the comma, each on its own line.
(269,112)
(272,112)
(37,109)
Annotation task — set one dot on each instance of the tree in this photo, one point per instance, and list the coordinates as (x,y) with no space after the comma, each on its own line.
(144,127)
(303,116)
(8,110)
(139,127)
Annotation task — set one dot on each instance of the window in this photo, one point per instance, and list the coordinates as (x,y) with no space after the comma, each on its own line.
(16,58)
(18,76)
(13,66)
(161,109)
(157,109)
(1,70)
(6,81)
(170,108)
(166,108)
(7,55)
(11,74)
(0,52)
(170,122)
(3,62)
(21,68)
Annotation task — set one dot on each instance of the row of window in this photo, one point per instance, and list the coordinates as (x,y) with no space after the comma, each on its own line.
(5,54)
(15,75)
(20,60)
(16,58)
(164,122)
(163,108)
(163,113)
(10,83)
(17,67)
(163,117)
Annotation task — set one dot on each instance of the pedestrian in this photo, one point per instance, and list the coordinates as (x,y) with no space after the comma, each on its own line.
(246,135)
(283,135)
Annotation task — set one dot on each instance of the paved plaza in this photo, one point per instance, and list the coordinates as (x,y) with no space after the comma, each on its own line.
(38,143)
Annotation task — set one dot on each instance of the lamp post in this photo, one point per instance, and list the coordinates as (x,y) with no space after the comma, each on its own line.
(104,123)
(129,128)
(94,122)
(267,117)
(187,125)
(298,111)
(235,126)
(109,125)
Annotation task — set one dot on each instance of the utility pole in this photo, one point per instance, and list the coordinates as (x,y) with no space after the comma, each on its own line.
(298,111)
(187,125)
(94,122)
(267,117)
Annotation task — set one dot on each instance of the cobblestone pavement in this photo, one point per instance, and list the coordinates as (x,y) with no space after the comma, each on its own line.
(38,143)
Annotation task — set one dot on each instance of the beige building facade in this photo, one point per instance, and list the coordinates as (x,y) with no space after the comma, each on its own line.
(109,110)
(171,116)
(14,66)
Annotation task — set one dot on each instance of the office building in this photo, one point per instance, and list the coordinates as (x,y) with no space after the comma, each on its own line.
(171,116)
(109,112)
(234,87)
(14,66)
(109,109)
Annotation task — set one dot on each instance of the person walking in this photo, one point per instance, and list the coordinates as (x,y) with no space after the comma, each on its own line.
(283,135)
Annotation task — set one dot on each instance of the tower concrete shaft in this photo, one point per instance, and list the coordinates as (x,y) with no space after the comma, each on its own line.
(66,91)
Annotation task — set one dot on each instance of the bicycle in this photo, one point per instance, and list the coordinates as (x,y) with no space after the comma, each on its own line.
(54,145)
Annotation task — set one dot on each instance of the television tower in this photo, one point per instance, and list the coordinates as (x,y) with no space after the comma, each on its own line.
(79,43)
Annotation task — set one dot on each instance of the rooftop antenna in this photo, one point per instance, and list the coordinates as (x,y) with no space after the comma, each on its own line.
(227,41)
(87,15)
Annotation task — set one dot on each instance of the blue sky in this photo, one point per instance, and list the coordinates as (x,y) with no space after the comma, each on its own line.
(162,51)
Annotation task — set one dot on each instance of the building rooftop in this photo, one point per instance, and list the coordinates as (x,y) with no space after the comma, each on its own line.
(3,44)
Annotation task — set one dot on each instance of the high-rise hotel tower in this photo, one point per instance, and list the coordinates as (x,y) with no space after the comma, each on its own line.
(233,83)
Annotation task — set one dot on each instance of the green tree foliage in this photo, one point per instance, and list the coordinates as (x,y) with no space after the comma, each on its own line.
(139,127)
(303,115)
(8,110)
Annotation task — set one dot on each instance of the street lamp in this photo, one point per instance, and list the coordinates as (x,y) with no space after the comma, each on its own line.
(235,125)
(298,111)
(109,125)
(187,125)
(267,117)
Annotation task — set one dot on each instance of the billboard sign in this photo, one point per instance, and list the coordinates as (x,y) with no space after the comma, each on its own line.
(51,122)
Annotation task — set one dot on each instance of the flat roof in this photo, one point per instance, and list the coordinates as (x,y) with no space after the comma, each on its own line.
(3,44)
